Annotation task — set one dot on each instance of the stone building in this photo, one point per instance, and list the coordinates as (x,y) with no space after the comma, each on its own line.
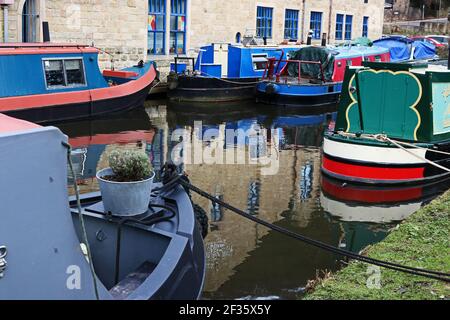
(157,29)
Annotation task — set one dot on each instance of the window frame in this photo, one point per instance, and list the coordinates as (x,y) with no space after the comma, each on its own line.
(66,85)
(163,13)
(365,27)
(313,23)
(291,24)
(258,58)
(339,31)
(182,13)
(348,31)
(261,15)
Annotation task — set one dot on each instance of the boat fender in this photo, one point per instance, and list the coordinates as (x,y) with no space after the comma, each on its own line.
(272,88)
(202,219)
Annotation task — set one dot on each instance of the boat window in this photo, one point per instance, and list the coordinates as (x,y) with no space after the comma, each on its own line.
(54,73)
(349,62)
(74,72)
(259,61)
(64,73)
(378,58)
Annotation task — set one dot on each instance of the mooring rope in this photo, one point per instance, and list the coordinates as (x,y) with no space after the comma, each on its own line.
(437,275)
(83,226)
(400,145)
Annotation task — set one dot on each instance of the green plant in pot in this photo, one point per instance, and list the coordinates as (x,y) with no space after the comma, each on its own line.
(126,186)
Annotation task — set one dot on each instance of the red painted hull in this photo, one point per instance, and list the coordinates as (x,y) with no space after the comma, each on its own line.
(378,165)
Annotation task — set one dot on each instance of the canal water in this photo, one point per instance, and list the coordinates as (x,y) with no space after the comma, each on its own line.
(245,260)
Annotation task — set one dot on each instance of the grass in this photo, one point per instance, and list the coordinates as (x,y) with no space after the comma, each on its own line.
(422,241)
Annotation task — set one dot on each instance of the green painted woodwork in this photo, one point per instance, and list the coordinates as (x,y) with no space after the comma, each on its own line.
(406,101)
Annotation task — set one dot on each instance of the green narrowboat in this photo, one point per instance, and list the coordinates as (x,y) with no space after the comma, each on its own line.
(393,125)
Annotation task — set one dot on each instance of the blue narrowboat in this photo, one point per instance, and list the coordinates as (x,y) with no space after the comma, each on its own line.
(221,72)
(43,82)
(312,76)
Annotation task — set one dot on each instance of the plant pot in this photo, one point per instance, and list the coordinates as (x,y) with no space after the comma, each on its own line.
(125,198)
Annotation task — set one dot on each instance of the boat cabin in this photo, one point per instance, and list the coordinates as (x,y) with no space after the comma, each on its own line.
(407,101)
(223,60)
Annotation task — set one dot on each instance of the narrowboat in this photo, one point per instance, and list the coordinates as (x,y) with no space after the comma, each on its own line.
(312,76)
(222,72)
(393,125)
(130,260)
(45,82)
(402,48)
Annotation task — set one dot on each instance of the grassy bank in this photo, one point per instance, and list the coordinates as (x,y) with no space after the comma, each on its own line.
(422,241)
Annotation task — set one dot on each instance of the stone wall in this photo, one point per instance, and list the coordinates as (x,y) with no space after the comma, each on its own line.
(216,20)
(120,26)
(116,26)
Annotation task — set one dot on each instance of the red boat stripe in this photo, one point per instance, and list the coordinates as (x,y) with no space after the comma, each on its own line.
(56,99)
(365,195)
(8,124)
(367,172)
(117,138)
(33,51)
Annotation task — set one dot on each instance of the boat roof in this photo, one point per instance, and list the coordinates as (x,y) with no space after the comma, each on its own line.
(9,124)
(358,51)
(13,48)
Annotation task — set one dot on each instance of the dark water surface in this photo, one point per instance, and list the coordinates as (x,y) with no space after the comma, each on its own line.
(245,260)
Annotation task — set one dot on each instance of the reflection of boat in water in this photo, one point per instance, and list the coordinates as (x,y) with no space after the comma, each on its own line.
(376,205)
(161,260)
(90,138)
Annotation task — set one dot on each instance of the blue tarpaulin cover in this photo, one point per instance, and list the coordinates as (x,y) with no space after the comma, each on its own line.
(399,47)
(424,50)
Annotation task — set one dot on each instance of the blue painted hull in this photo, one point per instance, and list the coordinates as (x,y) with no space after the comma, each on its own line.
(298,95)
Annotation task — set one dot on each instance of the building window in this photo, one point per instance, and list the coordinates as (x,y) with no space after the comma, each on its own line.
(30,17)
(264,22)
(156,26)
(178,26)
(348,27)
(291,24)
(339,26)
(64,73)
(365,29)
(316,24)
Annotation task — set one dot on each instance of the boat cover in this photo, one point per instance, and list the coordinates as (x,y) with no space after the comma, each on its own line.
(361,41)
(320,54)
(424,50)
(399,47)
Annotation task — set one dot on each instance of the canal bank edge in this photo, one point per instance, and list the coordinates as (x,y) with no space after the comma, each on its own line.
(421,241)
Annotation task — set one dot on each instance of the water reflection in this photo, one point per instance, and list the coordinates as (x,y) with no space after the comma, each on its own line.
(245,260)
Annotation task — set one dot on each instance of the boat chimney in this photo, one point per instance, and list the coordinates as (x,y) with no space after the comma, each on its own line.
(45,31)
(324,39)
(309,40)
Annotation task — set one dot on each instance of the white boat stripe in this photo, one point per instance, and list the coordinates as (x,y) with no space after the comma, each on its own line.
(374,154)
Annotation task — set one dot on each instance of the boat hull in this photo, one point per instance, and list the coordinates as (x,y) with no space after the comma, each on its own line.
(378,164)
(298,95)
(207,89)
(83,110)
